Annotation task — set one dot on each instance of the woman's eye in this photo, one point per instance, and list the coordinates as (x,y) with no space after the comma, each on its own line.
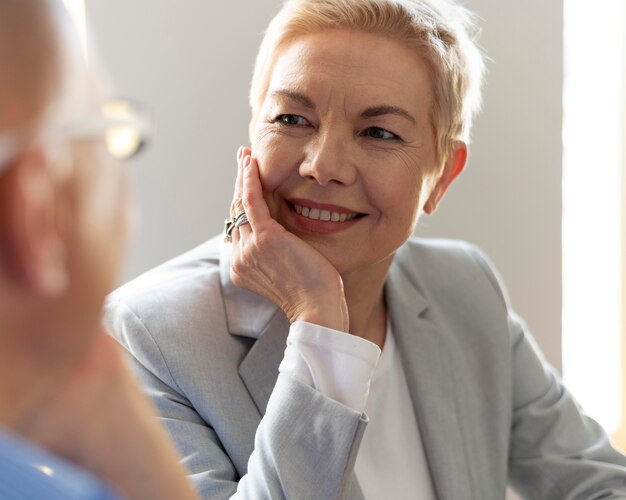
(287,119)
(379,133)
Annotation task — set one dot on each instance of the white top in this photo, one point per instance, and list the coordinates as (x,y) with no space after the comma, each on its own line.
(391,462)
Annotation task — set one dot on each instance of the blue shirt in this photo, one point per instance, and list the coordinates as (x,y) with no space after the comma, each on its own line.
(30,473)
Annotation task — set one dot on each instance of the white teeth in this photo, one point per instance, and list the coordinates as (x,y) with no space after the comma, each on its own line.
(324,215)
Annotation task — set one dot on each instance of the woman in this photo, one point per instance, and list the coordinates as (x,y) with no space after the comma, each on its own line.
(361,111)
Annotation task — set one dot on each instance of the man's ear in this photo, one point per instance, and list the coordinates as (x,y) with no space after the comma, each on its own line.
(453,167)
(33,250)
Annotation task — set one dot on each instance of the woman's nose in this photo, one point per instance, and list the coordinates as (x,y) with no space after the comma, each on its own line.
(328,160)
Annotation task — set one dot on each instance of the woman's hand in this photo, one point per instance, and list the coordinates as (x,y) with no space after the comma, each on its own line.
(269,260)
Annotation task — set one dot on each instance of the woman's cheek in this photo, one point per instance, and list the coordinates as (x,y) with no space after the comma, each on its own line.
(268,176)
(273,165)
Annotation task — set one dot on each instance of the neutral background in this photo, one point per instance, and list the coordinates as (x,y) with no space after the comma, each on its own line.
(190,63)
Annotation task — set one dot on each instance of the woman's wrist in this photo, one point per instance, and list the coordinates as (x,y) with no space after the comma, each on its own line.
(330,313)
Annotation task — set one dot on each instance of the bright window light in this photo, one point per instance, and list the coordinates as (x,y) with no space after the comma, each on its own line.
(593,132)
(76,9)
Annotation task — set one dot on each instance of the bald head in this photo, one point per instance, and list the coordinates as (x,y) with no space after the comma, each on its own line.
(45,89)
(43,71)
(30,55)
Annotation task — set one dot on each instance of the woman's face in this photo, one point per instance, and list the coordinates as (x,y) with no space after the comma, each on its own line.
(345,144)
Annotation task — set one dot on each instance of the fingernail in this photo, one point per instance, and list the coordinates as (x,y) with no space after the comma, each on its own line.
(247,161)
(239,152)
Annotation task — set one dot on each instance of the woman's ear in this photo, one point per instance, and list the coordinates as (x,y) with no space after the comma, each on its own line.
(452,168)
(33,252)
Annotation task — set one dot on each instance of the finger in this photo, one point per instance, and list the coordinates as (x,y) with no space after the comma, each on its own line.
(238,184)
(253,202)
(245,229)
(236,205)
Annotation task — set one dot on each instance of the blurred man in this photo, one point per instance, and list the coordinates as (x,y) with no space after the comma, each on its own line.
(63,225)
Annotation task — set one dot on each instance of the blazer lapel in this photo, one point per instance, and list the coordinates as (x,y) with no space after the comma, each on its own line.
(250,315)
(259,369)
(427,362)
(247,313)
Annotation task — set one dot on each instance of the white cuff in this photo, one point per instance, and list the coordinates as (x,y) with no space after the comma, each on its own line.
(337,364)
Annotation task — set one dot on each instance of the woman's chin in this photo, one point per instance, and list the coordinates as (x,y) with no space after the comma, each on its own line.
(344,258)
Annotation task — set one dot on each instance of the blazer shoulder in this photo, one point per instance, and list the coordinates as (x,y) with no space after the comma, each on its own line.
(182,295)
(452,264)
(182,272)
(172,319)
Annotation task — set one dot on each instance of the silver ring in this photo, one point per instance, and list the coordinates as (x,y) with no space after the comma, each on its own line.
(241,219)
(229,224)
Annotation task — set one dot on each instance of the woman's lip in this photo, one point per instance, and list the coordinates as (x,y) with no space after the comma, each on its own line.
(322,206)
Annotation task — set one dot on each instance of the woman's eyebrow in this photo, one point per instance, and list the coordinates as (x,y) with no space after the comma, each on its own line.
(387,110)
(295,96)
(371,112)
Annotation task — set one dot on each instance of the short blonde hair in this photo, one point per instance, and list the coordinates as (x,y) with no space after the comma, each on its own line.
(443,32)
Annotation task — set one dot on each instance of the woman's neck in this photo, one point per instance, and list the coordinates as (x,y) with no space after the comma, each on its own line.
(364,291)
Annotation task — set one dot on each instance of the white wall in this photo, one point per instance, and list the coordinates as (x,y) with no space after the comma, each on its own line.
(191,62)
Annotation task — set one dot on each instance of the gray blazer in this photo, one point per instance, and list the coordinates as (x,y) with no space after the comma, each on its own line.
(489,409)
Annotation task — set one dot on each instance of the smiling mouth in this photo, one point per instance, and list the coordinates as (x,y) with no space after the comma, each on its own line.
(324,215)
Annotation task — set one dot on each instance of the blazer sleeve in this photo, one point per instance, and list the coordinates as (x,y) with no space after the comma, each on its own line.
(556,450)
(305,445)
